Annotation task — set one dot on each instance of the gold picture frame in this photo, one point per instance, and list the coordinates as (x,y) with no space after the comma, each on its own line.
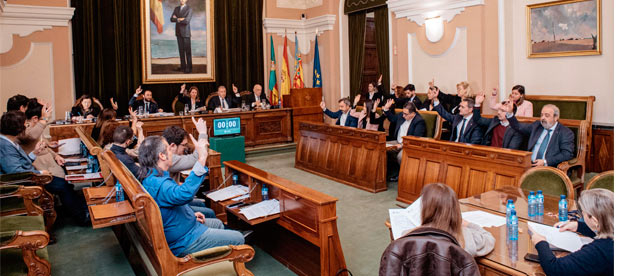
(569,37)
(164,31)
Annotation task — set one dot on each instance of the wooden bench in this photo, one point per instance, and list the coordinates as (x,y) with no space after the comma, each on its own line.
(148,237)
(303,236)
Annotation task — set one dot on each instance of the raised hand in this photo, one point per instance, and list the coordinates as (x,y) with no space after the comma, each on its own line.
(379,80)
(183,87)
(388,104)
(480,97)
(509,106)
(201,147)
(47,111)
(138,90)
(323,105)
(234,88)
(377,101)
(356,99)
(200,126)
(431,83)
(114,105)
(139,125)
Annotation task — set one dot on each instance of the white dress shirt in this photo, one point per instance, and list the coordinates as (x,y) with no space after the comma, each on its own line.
(343,118)
(223,103)
(536,147)
(459,131)
(402,131)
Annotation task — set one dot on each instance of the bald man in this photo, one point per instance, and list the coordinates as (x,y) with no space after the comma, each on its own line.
(255,99)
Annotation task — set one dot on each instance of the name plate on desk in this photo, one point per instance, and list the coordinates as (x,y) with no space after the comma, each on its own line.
(226,126)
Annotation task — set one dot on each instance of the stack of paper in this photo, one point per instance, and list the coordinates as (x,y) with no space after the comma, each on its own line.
(85,176)
(566,240)
(228,192)
(76,168)
(484,219)
(75,160)
(403,220)
(261,209)
(71,146)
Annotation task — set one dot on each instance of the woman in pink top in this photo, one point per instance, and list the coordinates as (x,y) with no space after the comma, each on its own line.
(524,107)
(363,115)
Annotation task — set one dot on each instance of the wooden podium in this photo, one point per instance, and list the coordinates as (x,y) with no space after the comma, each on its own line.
(304,103)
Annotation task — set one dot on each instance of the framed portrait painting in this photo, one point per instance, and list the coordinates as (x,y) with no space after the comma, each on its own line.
(564,28)
(177,43)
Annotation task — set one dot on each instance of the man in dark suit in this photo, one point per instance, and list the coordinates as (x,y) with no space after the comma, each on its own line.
(255,99)
(498,131)
(464,129)
(222,101)
(150,106)
(182,17)
(410,96)
(549,141)
(343,116)
(407,123)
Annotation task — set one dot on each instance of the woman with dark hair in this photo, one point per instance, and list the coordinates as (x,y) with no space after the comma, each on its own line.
(190,97)
(108,115)
(524,108)
(86,106)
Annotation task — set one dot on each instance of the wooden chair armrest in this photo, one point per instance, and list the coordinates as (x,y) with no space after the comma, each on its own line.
(28,194)
(29,242)
(26,178)
(238,254)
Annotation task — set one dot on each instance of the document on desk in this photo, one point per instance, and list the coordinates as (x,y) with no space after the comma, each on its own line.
(403,220)
(76,168)
(71,146)
(484,219)
(261,209)
(566,240)
(228,192)
(75,160)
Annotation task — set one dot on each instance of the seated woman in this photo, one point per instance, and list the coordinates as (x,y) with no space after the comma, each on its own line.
(595,258)
(191,97)
(367,119)
(524,108)
(441,210)
(108,115)
(86,107)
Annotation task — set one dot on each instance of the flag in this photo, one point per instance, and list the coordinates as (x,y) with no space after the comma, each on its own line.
(285,81)
(274,93)
(299,74)
(316,66)
(156,14)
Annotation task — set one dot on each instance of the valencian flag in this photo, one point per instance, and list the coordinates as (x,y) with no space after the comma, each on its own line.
(316,66)
(299,74)
(156,14)
(285,81)
(274,91)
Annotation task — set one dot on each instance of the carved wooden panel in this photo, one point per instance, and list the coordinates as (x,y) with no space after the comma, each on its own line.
(352,156)
(601,158)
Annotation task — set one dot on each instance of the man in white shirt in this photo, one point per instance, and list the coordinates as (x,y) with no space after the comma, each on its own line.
(222,102)
(343,115)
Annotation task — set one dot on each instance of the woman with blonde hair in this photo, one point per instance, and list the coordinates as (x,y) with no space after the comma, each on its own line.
(595,258)
(441,210)
(451,102)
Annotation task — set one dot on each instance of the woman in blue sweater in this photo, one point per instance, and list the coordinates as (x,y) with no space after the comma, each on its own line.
(595,258)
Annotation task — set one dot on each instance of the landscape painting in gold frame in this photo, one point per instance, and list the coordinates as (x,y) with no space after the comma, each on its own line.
(564,28)
(177,41)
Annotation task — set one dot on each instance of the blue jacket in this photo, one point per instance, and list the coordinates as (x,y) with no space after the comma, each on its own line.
(473,132)
(179,221)
(14,159)
(126,159)
(350,122)
(416,128)
(595,258)
(560,147)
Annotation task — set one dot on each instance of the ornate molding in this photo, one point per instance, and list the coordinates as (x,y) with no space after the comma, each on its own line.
(418,10)
(298,4)
(305,28)
(25,19)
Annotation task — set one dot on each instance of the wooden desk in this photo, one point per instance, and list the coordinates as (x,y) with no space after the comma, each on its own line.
(352,156)
(305,104)
(468,169)
(258,127)
(304,236)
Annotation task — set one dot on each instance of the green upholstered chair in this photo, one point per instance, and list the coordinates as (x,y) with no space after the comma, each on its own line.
(603,180)
(13,204)
(575,167)
(23,239)
(550,180)
(433,123)
(421,96)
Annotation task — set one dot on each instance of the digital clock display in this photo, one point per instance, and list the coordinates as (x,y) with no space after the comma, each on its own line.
(226,126)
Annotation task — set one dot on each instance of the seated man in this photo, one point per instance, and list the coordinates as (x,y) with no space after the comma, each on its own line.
(549,141)
(255,99)
(15,160)
(222,101)
(498,131)
(149,104)
(123,137)
(464,130)
(409,92)
(406,123)
(186,231)
(343,116)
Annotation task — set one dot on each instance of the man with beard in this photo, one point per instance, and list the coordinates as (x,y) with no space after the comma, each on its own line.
(549,141)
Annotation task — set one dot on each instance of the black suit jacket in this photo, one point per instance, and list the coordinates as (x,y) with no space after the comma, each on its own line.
(416,128)
(512,139)
(560,147)
(450,102)
(350,122)
(187,100)
(473,132)
(400,102)
(152,107)
(251,98)
(232,102)
(183,28)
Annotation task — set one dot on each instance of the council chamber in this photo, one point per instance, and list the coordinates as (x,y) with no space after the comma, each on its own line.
(306,137)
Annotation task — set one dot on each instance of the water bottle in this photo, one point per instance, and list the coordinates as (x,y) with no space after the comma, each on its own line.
(540,203)
(235,178)
(563,208)
(119,192)
(531,204)
(264,193)
(91,161)
(513,227)
(509,208)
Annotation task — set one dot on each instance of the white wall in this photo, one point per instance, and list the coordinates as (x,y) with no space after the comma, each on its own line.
(572,76)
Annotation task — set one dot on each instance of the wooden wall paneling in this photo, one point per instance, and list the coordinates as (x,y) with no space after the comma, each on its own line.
(601,156)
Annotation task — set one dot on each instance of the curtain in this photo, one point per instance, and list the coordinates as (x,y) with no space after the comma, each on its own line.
(383,45)
(352,6)
(357,29)
(107,50)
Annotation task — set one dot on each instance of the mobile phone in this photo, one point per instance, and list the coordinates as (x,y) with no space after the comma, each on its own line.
(532,258)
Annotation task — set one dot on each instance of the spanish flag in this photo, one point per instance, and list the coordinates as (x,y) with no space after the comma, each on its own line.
(274,93)
(285,81)
(299,74)
(156,14)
